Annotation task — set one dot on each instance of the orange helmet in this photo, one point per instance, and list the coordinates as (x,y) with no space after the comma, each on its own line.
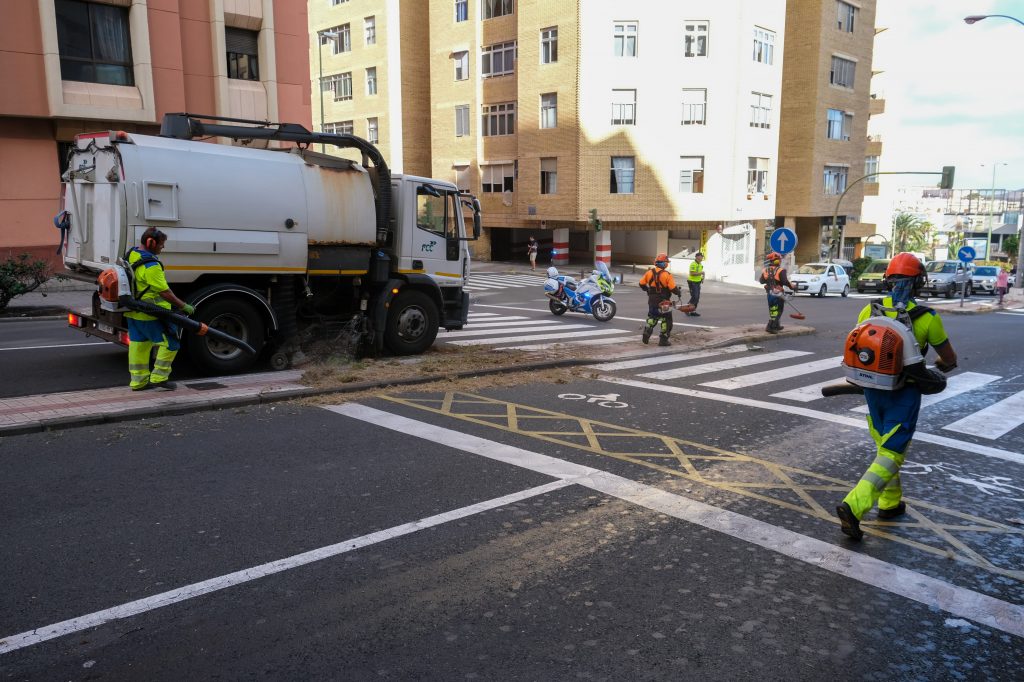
(661,258)
(904,265)
(773,258)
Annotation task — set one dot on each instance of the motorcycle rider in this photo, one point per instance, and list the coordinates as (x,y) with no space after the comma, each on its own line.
(660,286)
(774,277)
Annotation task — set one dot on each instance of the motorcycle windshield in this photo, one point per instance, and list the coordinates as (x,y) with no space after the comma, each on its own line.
(603,269)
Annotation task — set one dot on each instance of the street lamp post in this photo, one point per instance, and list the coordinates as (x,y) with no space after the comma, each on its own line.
(991,209)
(973,19)
(330,35)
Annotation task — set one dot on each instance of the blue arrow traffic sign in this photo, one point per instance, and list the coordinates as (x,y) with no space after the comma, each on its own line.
(966,254)
(782,240)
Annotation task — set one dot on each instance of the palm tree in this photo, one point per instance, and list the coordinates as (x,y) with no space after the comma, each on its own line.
(909,233)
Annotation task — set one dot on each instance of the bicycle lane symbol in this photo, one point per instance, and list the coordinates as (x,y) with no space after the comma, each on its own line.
(606,400)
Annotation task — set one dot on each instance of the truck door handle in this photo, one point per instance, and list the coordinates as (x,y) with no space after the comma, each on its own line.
(155,201)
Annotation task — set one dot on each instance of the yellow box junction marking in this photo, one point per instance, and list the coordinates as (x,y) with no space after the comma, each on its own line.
(746,477)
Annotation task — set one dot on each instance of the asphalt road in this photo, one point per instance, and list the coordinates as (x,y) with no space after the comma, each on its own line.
(622,526)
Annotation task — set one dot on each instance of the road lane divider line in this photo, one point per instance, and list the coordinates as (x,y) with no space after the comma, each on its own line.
(60,345)
(931,592)
(921,436)
(133,608)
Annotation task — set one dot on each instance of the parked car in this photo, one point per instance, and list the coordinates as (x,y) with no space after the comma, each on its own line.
(872,277)
(821,279)
(946,277)
(984,279)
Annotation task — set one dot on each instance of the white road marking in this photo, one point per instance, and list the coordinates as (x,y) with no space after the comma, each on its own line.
(857,566)
(976,448)
(92,620)
(473,315)
(511,330)
(955,385)
(617,317)
(537,337)
(60,345)
(806,394)
(662,359)
(746,361)
(758,378)
(993,421)
(591,342)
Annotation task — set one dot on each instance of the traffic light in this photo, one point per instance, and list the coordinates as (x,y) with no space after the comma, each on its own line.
(947,177)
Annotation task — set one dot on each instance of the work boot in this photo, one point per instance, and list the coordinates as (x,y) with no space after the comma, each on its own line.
(899,510)
(773,327)
(850,524)
(647,334)
(165,385)
(663,341)
(694,314)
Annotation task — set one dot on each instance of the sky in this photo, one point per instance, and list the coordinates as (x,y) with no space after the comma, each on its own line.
(954,92)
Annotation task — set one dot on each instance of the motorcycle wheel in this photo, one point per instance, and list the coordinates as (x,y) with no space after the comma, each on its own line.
(557,308)
(603,309)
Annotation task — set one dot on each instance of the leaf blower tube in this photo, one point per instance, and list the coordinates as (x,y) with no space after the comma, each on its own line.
(194,326)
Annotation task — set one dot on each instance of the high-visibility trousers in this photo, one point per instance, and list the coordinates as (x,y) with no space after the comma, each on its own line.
(892,420)
(142,336)
(656,318)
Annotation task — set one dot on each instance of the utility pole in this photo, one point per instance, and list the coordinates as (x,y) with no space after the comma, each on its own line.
(991,209)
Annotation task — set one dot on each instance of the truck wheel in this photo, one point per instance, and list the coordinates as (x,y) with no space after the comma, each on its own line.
(234,316)
(412,323)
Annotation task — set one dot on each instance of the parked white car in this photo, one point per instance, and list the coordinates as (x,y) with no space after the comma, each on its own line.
(821,278)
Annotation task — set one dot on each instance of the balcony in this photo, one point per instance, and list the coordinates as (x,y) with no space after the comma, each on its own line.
(876,106)
(874,146)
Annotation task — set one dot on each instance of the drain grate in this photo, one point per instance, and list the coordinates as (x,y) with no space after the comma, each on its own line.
(207,386)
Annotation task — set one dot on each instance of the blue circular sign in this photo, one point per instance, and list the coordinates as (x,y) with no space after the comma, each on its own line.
(782,240)
(966,254)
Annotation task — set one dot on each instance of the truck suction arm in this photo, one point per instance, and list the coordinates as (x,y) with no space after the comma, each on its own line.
(185,126)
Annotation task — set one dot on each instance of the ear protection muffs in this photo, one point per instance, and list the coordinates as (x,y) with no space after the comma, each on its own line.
(152,237)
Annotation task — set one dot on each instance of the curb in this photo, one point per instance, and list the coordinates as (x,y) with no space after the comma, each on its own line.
(134,414)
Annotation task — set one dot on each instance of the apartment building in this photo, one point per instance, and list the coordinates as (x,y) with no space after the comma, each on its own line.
(661,118)
(369,65)
(824,147)
(74,66)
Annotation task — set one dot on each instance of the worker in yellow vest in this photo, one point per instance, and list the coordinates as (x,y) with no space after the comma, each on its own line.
(694,280)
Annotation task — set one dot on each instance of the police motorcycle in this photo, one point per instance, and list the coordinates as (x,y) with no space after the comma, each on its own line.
(591,296)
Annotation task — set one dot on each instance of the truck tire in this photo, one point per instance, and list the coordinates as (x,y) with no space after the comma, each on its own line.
(234,316)
(412,323)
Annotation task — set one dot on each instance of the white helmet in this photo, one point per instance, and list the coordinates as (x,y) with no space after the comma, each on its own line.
(552,272)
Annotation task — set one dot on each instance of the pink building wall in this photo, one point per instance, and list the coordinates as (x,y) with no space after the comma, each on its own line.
(183,68)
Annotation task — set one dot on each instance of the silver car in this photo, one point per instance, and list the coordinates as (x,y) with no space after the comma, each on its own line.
(946,277)
(983,281)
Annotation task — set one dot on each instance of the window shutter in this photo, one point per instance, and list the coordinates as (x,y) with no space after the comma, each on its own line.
(241,41)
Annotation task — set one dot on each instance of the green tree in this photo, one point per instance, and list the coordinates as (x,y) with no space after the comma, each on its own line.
(20,275)
(910,233)
(956,241)
(1010,247)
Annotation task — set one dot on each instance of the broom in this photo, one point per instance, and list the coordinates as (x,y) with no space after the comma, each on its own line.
(797,315)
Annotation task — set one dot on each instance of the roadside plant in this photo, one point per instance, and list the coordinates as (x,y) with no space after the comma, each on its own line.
(20,275)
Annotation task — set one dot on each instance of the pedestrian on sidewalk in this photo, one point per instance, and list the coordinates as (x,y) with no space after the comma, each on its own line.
(1002,284)
(892,415)
(774,277)
(531,252)
(145,331)
(694,280)
(660,286)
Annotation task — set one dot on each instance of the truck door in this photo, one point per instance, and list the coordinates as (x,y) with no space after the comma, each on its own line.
(436,241)
(94,198)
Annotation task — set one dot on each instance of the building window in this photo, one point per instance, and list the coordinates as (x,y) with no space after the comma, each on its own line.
(372,130)
(757,175)
(760,110)
(94,43)
(490,9)
(691,174)
(695,39)
(622,173)
(498,119)
(462,177)
(549,110)
(835,179)
(340,85)
(498,60)
(370,30)
(623,107)
(371,80)
(461,10)
(764,46)
(624,38)
(549,45)
(846,16)
(498,178)
(871,167)
(549,176)
(695,102)
(462,120)
(243,54)
(843,71)
(839,125)
(342,42)
(335,3)
(339,128)
(461,60)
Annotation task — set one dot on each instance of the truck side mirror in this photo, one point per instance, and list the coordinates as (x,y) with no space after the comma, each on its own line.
(476,226)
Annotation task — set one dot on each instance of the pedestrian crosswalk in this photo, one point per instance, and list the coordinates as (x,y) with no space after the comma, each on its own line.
(493,281)
(974,403)
(518,332)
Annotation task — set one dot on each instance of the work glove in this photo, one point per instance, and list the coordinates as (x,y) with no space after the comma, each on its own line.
(643,287)
(188,309)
